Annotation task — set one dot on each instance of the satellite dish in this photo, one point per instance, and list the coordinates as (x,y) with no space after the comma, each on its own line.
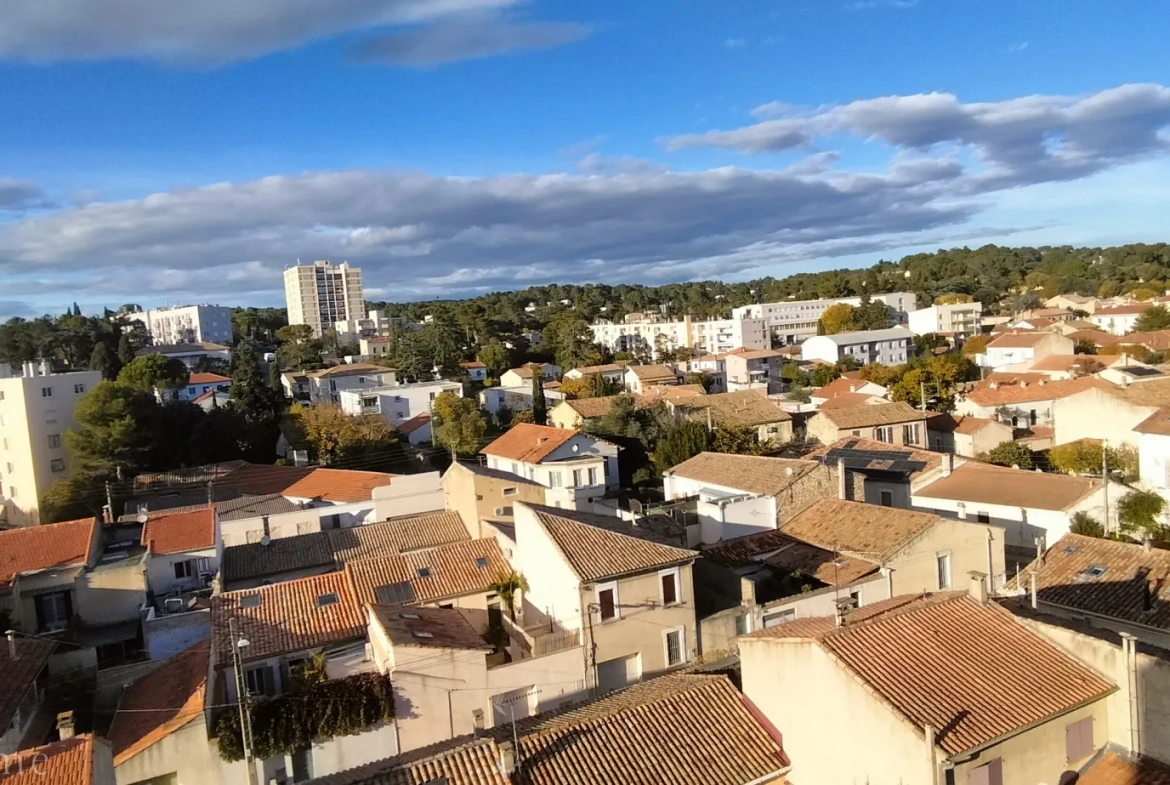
(576,447)
(265,540)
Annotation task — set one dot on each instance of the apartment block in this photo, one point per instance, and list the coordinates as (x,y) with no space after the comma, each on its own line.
(187,324)
(792,321)
(322,294)
(36,409)
(892,346)
(960,320)
(713,336)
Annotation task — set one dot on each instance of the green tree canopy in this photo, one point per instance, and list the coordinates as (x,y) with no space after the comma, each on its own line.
(539,404)
(154,371)
(1011,454)
(1155,318)
(836,319)
(457,423)
(681,442)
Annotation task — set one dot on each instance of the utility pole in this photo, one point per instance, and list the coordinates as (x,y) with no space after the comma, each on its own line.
(110,502)
(242,701)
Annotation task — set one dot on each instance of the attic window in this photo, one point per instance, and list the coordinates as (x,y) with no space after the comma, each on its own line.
(250,601)
(1095,570)
(410,616)
(1070,550)
(421,634)
(482,563)
(424,572)
(324,600)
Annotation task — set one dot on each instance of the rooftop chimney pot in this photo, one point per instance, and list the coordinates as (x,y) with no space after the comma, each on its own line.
(65,725)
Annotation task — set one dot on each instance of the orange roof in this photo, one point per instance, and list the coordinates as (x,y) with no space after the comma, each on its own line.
(42,547)
(529,443)
(1019,340)
(1099,337)
(287,617)
(68,762)
(1123,310)
(841,386)
(1069,362)
(1113,769)
(414,423)
(1040,391)
(855,528)
(453,570)
(17,675)
(970,425)
(473,364)
(207,378)
(159,703)
(337,485)
(845,400)
(180,532)
(990,484)
(1156,423)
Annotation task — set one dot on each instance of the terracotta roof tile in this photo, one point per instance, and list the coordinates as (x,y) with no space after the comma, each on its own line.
(397,535)
(1158,422)
(984,482)
(779,550)
(1156,393)
(647,373)
(846,400)
(1072,362)
(338,485)
(589,370)
(855,528)
(180,532)
(207,378)
(597,551)
(287,617)
(259,479)
(841,386)
(454,570)
(254,507)
(865,416)
(156,705)
(752,473)
(73,761)
(414,423)
(472,364)
(959,666)
(1014,340)
(283,554)
(526,371)
(675,393)
(1001,378)
(465,762)
(529,443)
(18,675)
(351,369)
(1098,337)
(1123,310)
(588,408)
(1040,391)
(41,547)
(437,628)
(1113,769)
(745,408)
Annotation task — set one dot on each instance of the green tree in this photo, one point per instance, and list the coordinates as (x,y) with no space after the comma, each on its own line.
(836,319)
(106,361)
(823,374)
(495,357)
(975,345)
(539,405)
(443,338)
(298,348)
(111,437)
(1140,513)
(154,371)
(869,315)
(1084,346)
(1155,318)
(336,436)
(680,443)
(510,586)
(457,423)
(579,387)
(251,395)
(126,352)
(1084,524)
(1011,454)
(737,441)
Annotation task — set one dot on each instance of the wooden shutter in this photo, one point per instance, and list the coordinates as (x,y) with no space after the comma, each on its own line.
(990,773)
(1078,739)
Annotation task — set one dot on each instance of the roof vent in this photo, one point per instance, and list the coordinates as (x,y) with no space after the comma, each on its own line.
(250,601)
(330,598)
(1070,550)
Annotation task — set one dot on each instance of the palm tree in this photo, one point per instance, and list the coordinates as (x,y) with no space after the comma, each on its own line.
(509,585)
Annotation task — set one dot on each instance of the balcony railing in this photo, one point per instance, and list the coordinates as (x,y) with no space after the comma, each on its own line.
(547,638)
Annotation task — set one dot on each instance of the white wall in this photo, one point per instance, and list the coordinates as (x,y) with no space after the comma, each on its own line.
(724,519)
(1154,461)
(553,587)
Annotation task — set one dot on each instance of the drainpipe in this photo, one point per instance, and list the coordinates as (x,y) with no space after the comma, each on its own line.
(990,563)
(841,484)
(1129,656)
(929,737)
(1032,578)
(889,580)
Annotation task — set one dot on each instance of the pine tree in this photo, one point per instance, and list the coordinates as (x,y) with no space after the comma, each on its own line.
(250,395)
(125,350)
(105,361)
(539,406)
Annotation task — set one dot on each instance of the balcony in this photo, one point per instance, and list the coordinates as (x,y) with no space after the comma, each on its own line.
(537,640)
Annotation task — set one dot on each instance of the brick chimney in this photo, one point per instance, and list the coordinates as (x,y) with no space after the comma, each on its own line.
(978,587)
(65,725)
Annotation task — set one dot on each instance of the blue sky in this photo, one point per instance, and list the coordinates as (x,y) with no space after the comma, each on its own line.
(153,153)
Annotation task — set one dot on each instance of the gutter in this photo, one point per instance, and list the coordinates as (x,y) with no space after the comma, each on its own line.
(770,777)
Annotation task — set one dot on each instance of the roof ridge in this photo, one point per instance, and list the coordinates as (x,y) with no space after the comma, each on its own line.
(911,603)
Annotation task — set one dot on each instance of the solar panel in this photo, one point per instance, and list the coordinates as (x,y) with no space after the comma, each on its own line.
(250,601)
(395,593)
(896,461)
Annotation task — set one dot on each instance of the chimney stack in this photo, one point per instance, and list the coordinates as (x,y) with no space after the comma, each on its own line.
(845,606)
(1147,542)
(12,655)
(962,510)
(978,587)
(948,464)
(842,486)
(507,762)
(65,725)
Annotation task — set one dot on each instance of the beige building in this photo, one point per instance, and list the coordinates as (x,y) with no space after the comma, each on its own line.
(36,410)
(748,409)
(1108,412)
(486,496)
(967,436)
(631,598)
(321,294)
(927,678)
(896,424)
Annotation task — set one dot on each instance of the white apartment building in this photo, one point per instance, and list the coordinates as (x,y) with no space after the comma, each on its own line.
(376,324)
(185,324)
(892,346)
(36,409)
(713,336)
(792,321)
(397,403)
(1119,319)
(322,294)
(962,320)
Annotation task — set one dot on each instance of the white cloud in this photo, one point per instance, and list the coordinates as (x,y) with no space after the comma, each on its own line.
(20,195)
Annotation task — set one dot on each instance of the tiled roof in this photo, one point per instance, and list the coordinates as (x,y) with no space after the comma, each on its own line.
(338,485)
(254,507)
(452,570)
(745,408)
(180,532)
(466,761)
(183,348)
(867,336)
(847,400)
(589,370)
(971,425)
(588,408)
(439,628)
(1158,423)
(1123,310)
(156,705)
(683,729)
(959,667)
(1114,769)
(867,530)
(1071,362)
(41,547)
(283,554)
(1155,393)
(68,762)
(207,378)
(497,474)
(840,386)
(1111,578)
(675,393)
(472,364)
(1040,391)
(752,473)
(526,371)
(878,414)
(256,479)
(1019,340)
(1099,337)
(777,549)
(1154,340)
(650,372)
(596,552)
(529,443)
(16,676)
(288,617)
(414,423)
(397,535)
(1001,378)
(984,482)
(210,394)
(352,369)
(868,455)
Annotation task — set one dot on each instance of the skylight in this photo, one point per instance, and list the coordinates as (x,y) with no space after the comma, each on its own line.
(481,562)
(424,572)
(410,616)
(421,634)
(327,599)
(250,601)
(1095,570)
(1070,550)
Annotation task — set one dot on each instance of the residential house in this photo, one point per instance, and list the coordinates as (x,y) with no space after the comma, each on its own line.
(1110,412)
(892,423)
(1113,767)
(1099,338)
(928,679)
(630,597)
(747,409)
(757,369)
(849,400)
(887,473)
(515,399)
(792,321)
(1153,435)
(396,403)
(572,413)
(74,760)
(847,386)
(1059,367)
(638,334)
(181,561)
(639,377)
(326,385)
(475,370)
(1127,372)
(199,384)
(519,377)
(190,354)
(967,436)
(295,385)
(1019,350)
(23,681)
(417,430)
(575,467)
(958,320)
(215,399)
(482,495)
(1072,302)
(614,373)
(1024,403)
(1119,319)
(1027,505)
(892,346)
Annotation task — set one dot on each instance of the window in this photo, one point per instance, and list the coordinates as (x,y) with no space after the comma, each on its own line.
(78,389)
(607,601)
(324,600)
(11,491)
(576,478)
(10,467)
(1078,739)
(57,464)
(887,498)
(258,681)
(944,570)
(184,569)
(509,491)
(983,517)
(554,479)
(1032,417)
(515,468)
(46,392)
(593,476)
(910,433)
(741,624)
(884,434)
(779,617)
(669,581)
(674,648)
(53,611)
(54,441)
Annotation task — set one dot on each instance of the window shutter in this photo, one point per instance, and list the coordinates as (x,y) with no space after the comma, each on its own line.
(39,604)
(995,772)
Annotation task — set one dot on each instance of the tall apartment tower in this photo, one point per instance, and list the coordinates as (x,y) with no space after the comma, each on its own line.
(36,409)
(322,293)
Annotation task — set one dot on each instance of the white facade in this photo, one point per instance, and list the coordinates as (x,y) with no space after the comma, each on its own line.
(187,324)
(36,409)
(1118,320)
(578,471)
(794,320)
(893,346)
(714,336)
(515,399)
(376,324)
(326,387)
(322,294)
(961,319)
(397,403)
(1154,462)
